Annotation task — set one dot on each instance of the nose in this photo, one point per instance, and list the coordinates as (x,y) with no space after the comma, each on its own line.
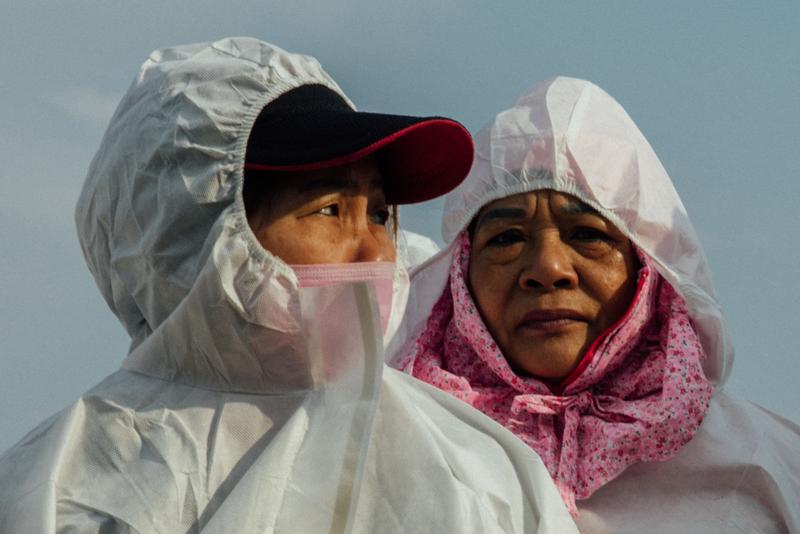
(372,247)
(548,265)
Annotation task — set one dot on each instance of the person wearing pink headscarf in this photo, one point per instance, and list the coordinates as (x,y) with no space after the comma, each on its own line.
(574,306)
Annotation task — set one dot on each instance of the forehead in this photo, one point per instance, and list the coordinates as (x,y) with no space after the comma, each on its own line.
(357,176)
(297,187)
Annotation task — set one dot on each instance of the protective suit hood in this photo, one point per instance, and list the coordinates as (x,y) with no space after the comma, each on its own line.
(569,135)
(162,224)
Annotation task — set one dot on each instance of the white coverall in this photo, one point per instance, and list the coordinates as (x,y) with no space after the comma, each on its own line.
(245,405)
(741,471)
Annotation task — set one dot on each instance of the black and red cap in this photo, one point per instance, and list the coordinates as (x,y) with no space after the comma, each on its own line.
(312,127)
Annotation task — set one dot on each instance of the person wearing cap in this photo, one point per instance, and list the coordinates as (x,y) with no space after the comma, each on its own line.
(237,219)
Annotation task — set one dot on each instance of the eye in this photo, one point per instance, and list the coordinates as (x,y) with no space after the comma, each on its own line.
(589,235)
(381,216)
(507,238)
(331,210)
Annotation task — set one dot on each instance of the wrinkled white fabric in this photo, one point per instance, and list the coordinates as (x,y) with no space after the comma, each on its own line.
(247,403)
(413,248)
(741,471)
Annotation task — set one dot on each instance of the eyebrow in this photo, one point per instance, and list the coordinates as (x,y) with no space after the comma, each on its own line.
(576,207)
(572,207)
(502,213)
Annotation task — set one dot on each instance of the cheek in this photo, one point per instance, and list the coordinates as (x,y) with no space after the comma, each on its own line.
(613,286)
(491,288)
(300,242)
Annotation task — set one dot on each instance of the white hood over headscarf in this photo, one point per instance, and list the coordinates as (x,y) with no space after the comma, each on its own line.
(740,472)
(246,403)
(576,126)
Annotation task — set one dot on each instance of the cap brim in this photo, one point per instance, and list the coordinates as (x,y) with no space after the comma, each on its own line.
(420,157)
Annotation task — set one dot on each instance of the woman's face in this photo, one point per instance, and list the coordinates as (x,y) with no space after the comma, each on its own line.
(549,274)
(335,215)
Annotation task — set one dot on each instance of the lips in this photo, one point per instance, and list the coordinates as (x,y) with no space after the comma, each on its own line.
(551,320)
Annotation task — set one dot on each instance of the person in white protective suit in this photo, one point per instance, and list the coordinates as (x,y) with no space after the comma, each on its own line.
(254,397)
(574,306)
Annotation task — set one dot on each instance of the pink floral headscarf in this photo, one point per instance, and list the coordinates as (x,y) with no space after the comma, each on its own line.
(638,395)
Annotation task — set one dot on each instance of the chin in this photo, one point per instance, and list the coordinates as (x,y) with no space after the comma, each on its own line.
(550,367)
(548,374)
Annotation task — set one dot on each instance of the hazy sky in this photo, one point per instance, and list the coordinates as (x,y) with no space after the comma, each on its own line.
(714,87)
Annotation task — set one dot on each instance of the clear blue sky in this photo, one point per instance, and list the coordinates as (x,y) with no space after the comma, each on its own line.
(714,87)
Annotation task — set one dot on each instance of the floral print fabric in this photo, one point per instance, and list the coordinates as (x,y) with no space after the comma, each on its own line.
(638,395)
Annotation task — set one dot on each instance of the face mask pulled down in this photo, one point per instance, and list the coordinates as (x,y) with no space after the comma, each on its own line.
(378,274)
(346,298)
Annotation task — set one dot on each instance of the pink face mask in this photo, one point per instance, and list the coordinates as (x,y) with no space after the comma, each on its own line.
(380,274)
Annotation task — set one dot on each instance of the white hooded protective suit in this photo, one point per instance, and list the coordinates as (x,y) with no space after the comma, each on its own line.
(246,404)
(741,471)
